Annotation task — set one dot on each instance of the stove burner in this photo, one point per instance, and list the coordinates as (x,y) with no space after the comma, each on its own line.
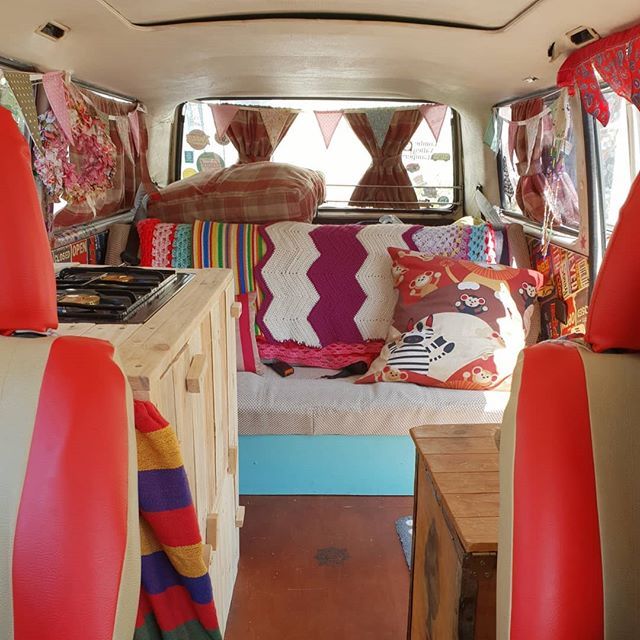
(128,295)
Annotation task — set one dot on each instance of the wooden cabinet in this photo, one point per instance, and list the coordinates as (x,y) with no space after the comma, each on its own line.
(453,576)
(183,360)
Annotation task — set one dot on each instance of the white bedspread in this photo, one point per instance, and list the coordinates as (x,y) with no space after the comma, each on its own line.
(307,405)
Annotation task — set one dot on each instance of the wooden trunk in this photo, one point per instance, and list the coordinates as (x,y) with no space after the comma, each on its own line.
(183,360)
(453,578)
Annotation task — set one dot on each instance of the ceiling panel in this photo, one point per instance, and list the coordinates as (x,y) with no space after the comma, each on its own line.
(484,14)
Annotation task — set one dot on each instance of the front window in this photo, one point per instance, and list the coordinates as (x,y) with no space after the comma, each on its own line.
(430,164)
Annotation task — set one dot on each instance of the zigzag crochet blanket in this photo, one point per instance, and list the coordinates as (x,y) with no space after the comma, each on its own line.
(176,598)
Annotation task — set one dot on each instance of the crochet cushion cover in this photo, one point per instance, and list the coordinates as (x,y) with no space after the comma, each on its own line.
(165,244)
(247,357)
(457,324)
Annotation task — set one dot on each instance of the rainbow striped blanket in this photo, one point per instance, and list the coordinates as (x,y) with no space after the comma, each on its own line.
(176,599)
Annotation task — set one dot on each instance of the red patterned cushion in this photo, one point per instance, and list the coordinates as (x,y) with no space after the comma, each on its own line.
(247,357)
(457,324)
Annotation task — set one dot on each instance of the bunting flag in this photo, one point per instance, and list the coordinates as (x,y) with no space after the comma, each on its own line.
(54,87)
(434,115)
(223,115)
(380,120)
(22,89)
(274,122)
(122,126)
(134,124)
(328,122)
(493,133)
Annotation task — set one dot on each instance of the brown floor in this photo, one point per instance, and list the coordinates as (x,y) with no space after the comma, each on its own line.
(320,568)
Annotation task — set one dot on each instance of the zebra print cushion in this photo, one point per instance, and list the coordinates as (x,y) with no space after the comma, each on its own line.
(457,324)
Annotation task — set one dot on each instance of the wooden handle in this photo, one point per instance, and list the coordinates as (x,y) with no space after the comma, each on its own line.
(239,517)
(232,467)
(195,374)
(211,532)
(236,309)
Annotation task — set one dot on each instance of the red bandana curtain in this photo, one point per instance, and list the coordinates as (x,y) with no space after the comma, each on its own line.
(386,179)
(617,59)
(249,134)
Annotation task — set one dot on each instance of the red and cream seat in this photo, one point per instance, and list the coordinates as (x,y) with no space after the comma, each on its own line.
(569,550)
(69,539)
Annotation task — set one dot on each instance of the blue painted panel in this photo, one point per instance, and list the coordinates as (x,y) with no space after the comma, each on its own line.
(326,465)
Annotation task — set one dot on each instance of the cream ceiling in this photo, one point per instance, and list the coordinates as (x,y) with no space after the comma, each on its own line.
(295,58)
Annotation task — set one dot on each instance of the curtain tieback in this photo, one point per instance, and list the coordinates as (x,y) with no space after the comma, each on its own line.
(387,162)
(533,169)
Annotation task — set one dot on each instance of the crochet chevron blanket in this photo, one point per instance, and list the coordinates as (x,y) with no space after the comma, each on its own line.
(328,283)
(176,599)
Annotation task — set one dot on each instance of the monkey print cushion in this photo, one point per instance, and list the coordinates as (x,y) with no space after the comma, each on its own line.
(457,324)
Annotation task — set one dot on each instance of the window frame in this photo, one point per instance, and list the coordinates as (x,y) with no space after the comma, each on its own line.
(342,214)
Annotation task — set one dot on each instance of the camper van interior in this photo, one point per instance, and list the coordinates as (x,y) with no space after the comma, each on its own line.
(319,320)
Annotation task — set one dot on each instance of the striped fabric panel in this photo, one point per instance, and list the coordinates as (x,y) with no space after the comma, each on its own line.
(176,599)
(247,356)
(238,247)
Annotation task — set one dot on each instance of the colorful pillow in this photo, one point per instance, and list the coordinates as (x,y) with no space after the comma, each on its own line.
(462,242)
(328,283)
(457,324)
(164,244)
(247,358)
(238,247)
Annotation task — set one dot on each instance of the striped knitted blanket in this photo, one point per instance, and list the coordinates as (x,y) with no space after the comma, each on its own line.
(176,599)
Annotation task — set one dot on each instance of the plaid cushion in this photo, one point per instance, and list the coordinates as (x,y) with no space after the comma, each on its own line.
(256,192)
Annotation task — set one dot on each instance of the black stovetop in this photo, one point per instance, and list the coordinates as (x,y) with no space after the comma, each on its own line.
(117,295)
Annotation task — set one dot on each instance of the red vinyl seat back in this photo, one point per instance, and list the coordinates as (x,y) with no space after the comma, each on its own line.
(614,311)
(70,560)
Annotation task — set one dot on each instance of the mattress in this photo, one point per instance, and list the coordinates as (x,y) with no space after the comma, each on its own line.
(306,404)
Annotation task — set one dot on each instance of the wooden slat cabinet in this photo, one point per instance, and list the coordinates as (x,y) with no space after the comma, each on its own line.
(453,575)
(183,360)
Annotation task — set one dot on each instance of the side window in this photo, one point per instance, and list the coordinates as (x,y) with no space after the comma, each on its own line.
(537,161)
(618,149)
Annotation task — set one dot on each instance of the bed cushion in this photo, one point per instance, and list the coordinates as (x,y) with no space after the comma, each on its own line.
(306,404)
(256,192)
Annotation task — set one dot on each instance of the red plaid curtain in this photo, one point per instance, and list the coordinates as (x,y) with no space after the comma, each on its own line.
(249,136)
(385,178)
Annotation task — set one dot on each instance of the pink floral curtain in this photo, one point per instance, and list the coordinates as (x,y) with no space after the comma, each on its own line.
(249,136)
(386,179)
(544,187)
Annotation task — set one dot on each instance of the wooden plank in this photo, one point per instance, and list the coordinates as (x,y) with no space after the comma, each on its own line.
(75,328)
(453,431)
(483,444)
(478,534)
(468,482)
(457,462)
(437,569)
(473,505)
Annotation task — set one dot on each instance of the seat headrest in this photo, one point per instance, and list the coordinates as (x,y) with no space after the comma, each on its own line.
(27,281)
(614,310)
